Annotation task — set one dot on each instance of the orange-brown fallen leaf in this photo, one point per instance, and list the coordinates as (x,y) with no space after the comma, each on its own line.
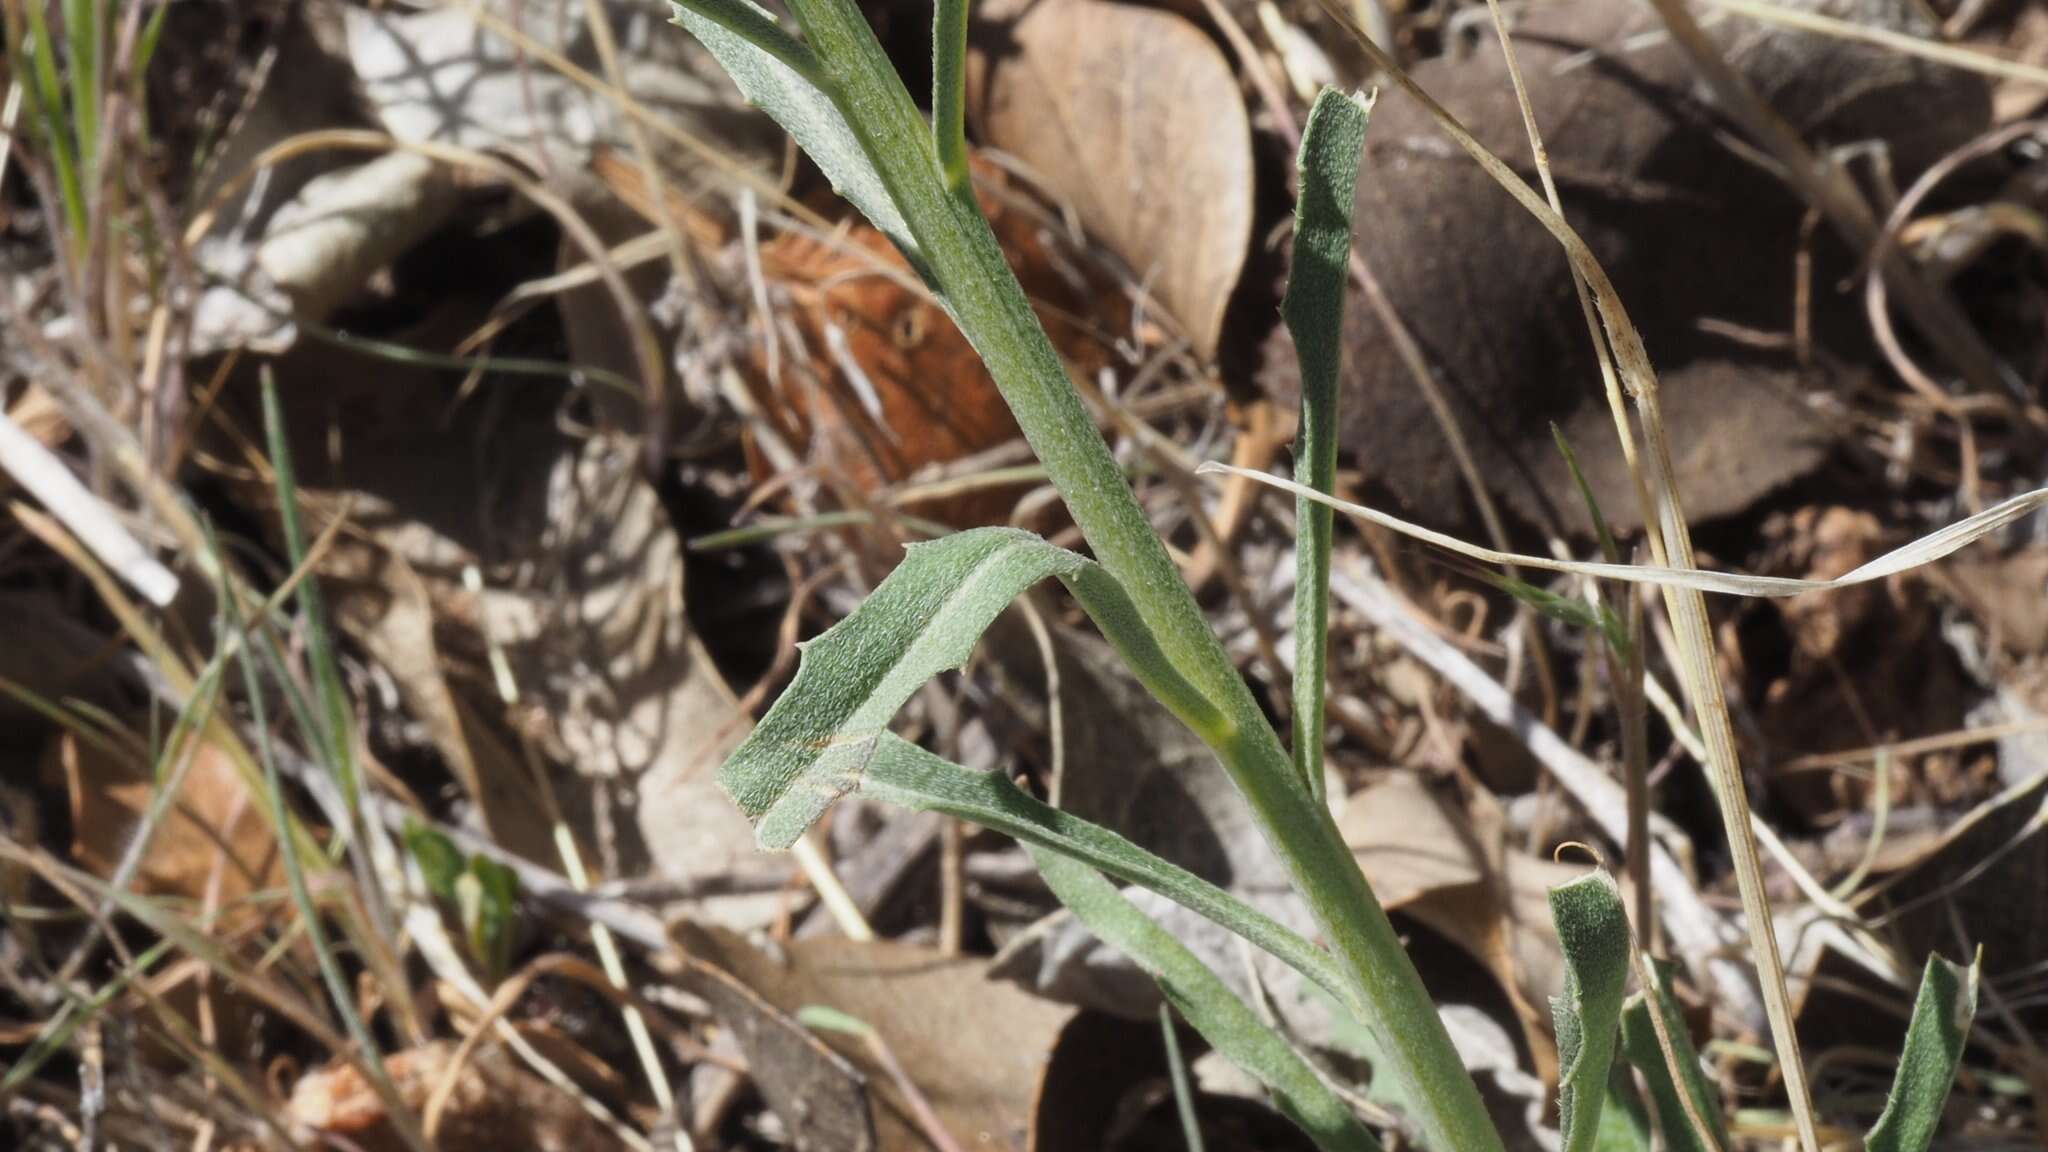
(496,1105)
(885,384)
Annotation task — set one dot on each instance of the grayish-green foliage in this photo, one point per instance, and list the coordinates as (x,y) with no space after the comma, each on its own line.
(778,73)
(1934,1045)
(1206,1003)
(1314,312)
(1639,1044)
(889,768)
(1593,929)
(924,619)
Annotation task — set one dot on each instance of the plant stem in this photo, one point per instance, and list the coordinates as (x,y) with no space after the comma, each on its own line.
(990,307)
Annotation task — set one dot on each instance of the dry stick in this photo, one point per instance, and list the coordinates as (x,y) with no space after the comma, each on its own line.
(1952,55)
(1628,680)
(565,964)
(1882,248)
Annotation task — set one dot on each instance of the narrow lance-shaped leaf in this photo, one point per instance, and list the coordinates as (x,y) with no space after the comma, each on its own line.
(1593,929)
(889,768)
(1934,1045)
(1207,1003)
(827,735)
(923,620)
(779,74)
(1639,1044)
(1314,311)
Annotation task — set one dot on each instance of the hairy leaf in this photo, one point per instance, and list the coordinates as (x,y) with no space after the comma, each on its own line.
(890,768)
(1314,311)
(1206,1003)
(1593,928)
(923,620)
(777,74)
(1934,1044)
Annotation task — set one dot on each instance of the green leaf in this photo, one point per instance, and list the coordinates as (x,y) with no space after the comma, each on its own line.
(490,911)
(1608,547)
(330,734)
(1624,1126)
(1564,609)
(1593,929)
(1314,311)
(1207,1003)
(923,620)
(779,74)
(891,769)
(439,859)
(1639,1044)
(1934,1045)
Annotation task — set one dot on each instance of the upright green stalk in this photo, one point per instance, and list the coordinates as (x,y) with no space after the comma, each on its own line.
(963,258)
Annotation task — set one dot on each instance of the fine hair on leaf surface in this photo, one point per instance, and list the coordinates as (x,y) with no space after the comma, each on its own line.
(837,93)
(1314,312)
(853,114)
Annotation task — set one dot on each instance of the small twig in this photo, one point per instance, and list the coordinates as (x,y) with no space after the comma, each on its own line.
(45,476)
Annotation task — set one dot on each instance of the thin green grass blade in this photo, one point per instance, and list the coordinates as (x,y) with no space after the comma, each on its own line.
(83,28)
(145,47)
(1608,547)
(1314,312)
(47,94)
(1183,1088)
(1934,1046)
(336,749)
(295,875)
(779,74)
(1593,929)
(1639,1044)
(1206,1003)
(924,619)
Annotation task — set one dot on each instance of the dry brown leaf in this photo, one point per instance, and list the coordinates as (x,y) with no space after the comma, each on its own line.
(495,1105)
(820,1097)
(1132,116)
(975,1048)
(886,383)
(213,834)
(382,602)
